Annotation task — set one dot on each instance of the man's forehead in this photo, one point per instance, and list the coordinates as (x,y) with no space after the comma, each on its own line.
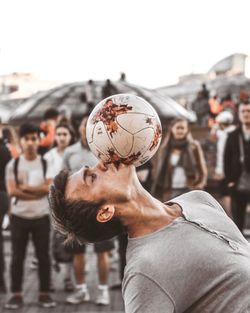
(29,135)
(244,106)
(75,185)
(71,185)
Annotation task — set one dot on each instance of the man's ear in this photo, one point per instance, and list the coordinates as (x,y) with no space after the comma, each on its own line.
(105,213)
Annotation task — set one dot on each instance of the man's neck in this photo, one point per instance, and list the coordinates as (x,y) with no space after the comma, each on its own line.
(246,128)
(30,157)
(145,215)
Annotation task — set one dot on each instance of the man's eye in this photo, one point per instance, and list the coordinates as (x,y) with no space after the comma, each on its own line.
(93,177)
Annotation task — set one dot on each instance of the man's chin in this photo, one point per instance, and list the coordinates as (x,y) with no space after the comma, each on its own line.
(30,152)
(125,167)
(118,166)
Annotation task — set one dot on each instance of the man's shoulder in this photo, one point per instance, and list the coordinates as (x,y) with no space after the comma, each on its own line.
(15,161)
(13,165)
(233,134)
(194,194)
(49,153)
(196,198)
(10,164)
(72,149)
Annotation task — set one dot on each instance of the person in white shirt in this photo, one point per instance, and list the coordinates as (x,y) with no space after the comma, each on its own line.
(64,137)
(27,180)
(225,126)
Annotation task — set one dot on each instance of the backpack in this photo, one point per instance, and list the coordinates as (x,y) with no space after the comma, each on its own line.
(16,162)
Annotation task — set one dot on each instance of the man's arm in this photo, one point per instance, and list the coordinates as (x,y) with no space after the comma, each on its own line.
(15,191)
(12,187)
(40,190)
(142,295)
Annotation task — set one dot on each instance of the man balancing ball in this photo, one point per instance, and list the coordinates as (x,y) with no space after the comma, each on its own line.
(185,255)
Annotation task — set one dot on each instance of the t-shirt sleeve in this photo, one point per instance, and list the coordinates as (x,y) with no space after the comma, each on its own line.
(206,198)
(198,196)
(65,163)
(9,170)
(50,171)
(142,295)
(47,156)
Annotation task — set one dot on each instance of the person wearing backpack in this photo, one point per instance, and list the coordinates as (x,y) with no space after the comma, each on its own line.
(27,179)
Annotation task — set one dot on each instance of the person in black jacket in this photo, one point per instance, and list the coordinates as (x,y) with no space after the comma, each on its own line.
(5,157)
(233,165)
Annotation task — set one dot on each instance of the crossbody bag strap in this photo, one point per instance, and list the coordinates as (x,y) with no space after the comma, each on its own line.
(15,169)
(242,155)
(44,165)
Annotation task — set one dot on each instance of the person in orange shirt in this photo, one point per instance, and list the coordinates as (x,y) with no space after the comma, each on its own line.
(215,109)
(228,104)
(47,127)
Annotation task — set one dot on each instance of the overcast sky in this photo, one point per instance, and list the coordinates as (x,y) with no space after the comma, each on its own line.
(152,41)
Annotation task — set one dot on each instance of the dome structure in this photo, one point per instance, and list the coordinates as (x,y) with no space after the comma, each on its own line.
(232,65)
(228,76)
(72,98)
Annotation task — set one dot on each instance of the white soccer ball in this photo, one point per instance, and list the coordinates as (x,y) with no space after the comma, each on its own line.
(124,128)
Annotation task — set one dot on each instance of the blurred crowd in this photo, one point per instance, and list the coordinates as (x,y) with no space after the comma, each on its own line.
(31,156)
(207,105)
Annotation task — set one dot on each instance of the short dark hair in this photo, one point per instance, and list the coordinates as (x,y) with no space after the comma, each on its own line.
(29,128)
(77,219)
(245,102)
(51,114)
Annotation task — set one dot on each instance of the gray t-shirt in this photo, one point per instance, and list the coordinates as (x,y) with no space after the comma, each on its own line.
(200,263)
(29,173)
(77,156)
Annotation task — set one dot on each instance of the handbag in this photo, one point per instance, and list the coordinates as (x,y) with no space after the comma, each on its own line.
(243,185)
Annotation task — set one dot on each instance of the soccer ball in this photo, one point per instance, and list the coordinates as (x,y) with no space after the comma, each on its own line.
(124,128)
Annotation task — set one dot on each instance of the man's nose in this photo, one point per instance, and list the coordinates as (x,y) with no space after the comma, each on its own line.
(102,166)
